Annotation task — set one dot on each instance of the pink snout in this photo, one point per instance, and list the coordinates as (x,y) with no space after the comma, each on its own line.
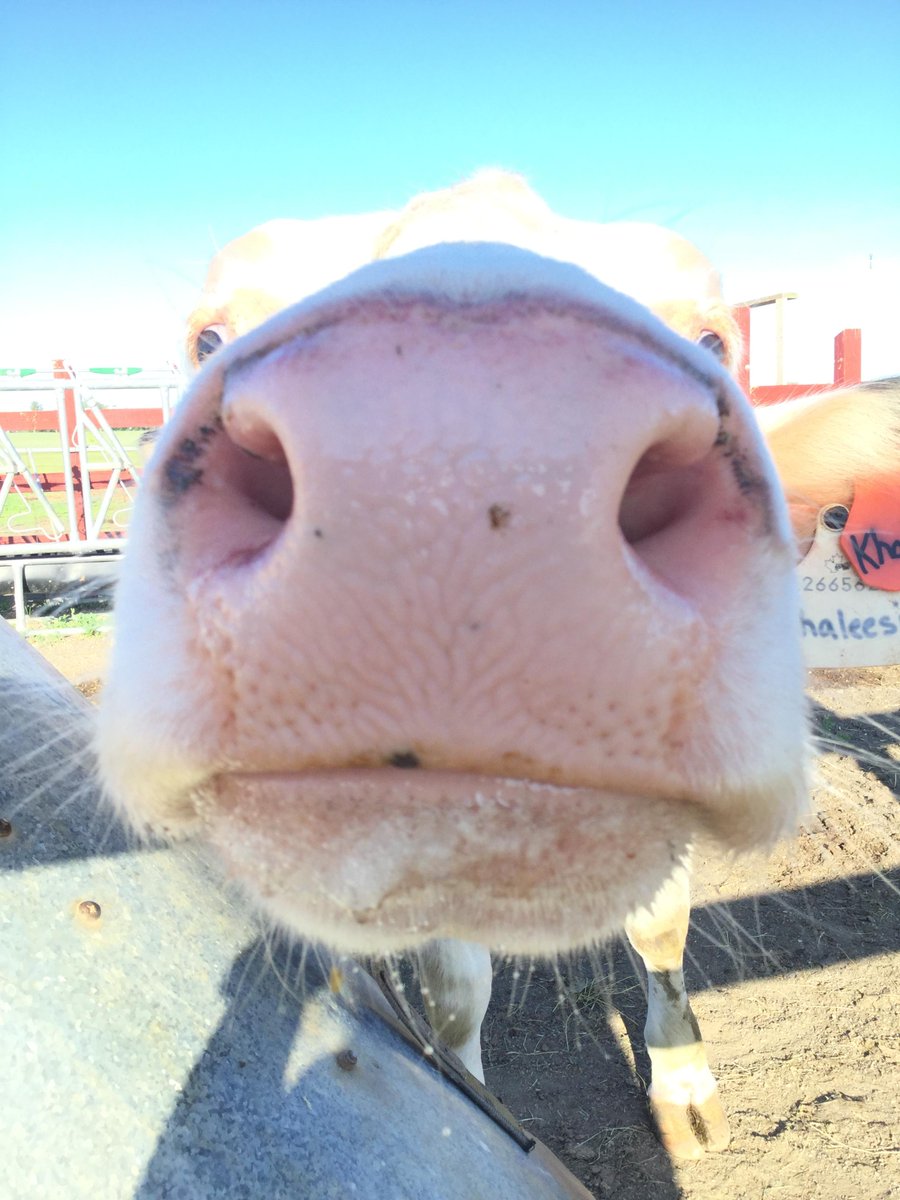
(471,600)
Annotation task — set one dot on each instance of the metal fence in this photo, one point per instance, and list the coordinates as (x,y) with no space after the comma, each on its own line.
(70,463)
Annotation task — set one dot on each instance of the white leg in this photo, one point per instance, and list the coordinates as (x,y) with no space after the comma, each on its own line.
(683,1096)
(456,982)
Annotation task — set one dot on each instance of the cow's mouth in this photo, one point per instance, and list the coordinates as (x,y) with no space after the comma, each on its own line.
(392,857)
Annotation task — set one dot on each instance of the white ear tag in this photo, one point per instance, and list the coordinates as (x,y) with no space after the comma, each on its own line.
(843,622)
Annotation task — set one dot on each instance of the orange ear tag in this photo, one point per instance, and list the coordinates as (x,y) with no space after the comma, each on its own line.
(871,537)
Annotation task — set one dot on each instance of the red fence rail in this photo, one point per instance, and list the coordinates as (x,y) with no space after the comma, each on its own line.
(48,422)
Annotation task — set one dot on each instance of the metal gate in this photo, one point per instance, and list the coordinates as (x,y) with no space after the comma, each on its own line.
(70,463)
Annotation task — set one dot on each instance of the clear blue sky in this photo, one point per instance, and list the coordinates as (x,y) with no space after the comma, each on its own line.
(136,137)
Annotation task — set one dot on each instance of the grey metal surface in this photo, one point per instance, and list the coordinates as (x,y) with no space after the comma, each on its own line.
(156,1043)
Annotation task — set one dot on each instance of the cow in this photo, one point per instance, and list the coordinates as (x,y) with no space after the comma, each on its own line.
(460,598)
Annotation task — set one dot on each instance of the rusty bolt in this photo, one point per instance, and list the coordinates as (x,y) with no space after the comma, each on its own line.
(346,1060)
(89,909)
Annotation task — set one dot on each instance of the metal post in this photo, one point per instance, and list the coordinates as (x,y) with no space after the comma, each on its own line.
(779,339)
(18,574)
(60,372)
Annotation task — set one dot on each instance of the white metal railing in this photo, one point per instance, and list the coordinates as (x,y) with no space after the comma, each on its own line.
(86,443)
(85,533)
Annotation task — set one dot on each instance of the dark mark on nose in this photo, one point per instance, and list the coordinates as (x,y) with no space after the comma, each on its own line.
(181,473)
(180,476)
(499,516)
(398,350)
(318,533)
(404,759)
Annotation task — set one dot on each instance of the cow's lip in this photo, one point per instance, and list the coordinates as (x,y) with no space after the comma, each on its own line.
(422,787)
(391,774)
(387,858)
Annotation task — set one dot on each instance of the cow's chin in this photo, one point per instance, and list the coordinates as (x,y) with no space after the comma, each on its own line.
(379,861)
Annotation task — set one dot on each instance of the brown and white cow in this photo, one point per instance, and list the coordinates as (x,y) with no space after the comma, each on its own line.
(461,596)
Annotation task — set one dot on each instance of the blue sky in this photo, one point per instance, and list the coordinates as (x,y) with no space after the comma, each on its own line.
(135,138)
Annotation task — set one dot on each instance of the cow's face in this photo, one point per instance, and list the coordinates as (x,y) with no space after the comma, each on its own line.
(459,597)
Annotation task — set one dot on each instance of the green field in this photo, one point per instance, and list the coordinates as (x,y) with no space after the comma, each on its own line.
(41,451)
(22,513)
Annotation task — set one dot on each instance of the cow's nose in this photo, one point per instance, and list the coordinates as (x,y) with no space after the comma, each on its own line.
(479,535)
(417,420)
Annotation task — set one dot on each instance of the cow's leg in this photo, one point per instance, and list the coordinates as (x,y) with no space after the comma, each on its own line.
(683,1096)
(455,978)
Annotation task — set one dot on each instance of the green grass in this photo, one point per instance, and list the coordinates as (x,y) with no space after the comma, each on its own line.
(49,438)
(22,513)
(42,452)
(89,624)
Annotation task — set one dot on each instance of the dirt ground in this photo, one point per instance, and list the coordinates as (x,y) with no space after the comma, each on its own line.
(794,976)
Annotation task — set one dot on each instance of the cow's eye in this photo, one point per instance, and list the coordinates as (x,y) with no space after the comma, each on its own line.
(713,343)
(209,340)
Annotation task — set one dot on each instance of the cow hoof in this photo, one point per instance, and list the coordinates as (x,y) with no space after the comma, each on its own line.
(690,1131)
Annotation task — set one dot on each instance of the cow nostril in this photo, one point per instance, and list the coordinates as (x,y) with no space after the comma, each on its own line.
(268,485)
(659,494)
(250,430)
(258,467)
(689,514)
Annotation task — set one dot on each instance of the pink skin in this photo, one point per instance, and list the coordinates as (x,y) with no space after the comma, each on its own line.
(472,513)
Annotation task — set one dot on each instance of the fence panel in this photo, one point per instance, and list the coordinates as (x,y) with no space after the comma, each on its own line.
(70,458)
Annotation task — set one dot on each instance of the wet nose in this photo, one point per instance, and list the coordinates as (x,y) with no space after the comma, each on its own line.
(470,529)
